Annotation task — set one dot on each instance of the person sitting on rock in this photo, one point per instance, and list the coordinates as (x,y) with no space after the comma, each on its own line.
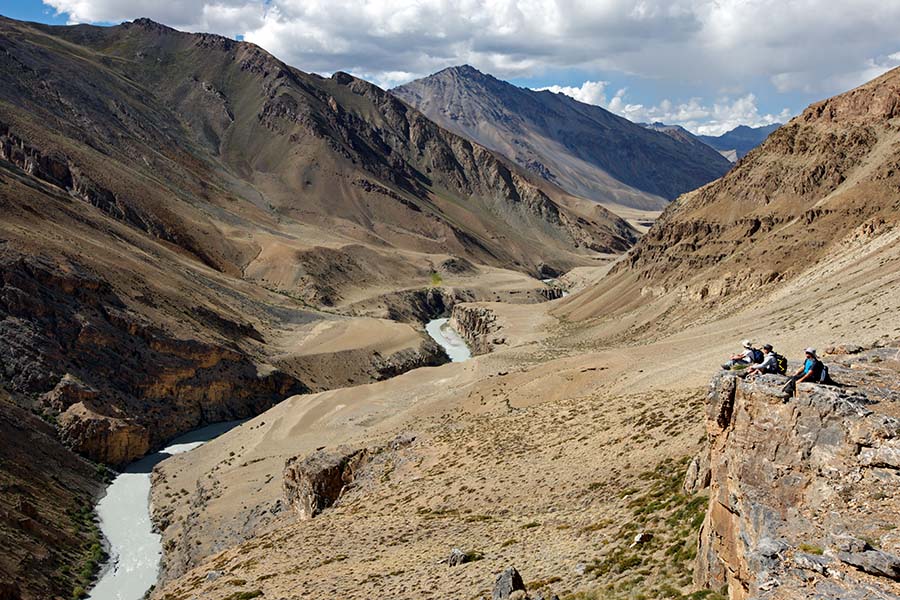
(769,363)
(744,359)
(811,371)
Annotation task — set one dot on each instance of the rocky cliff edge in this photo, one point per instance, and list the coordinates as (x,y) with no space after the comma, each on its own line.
(803,490)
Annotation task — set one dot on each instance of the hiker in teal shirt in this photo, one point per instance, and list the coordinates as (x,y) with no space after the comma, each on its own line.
(811,371)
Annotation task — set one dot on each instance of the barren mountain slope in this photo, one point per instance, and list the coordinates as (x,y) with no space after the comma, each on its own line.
(49,541)
(818,200)
(583,148)
(177,206)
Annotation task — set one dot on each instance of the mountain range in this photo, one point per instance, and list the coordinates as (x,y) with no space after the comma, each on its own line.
(583,148)
(819,194)
(740,140)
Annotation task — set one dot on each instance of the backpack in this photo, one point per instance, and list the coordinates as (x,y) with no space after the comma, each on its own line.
(819,372)
(757,355)
(824,376)
(781,364)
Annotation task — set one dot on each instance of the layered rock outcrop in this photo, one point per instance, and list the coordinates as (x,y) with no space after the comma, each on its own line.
(314,483)
(119,384)
(317,481)
(803,490)
(477,325)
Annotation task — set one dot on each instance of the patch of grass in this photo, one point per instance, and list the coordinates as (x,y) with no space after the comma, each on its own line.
(535,585)
(811,549)
(708,595)
(477,518)
(531,525)
(47,417)
(661,567)
(873,543)
(103,473)
(436,279)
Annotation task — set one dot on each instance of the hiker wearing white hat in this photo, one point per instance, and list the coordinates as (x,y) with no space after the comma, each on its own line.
(770,363)
(744,359)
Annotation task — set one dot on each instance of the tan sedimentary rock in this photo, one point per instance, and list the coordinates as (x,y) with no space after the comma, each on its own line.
(314,483)
(477,326)
(792,479)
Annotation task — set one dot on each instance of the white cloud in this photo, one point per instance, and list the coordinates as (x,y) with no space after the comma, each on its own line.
(227,17)
(590,92)
(695,116)
(817,47)
(811,43)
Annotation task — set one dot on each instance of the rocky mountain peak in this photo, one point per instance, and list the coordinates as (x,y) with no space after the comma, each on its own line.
(463,71)
(148,24)
(585,149)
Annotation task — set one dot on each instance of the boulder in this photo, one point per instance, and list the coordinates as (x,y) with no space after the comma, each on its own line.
(696,477)
(844,349)
(456,558)
(641,538)
(874,562)
(811,562)
(886,455)
(508,583)
(316,482)
(848,543)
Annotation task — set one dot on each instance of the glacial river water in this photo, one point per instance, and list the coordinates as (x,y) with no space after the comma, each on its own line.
(441,332)
(134,548)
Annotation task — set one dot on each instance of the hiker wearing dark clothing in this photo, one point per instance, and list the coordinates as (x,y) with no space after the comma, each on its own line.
(749,356)
(769,364)
(812,371)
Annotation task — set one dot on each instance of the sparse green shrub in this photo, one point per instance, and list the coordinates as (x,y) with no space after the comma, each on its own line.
(810,549)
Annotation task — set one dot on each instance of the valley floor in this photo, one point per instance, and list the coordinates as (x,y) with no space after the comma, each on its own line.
(549,453)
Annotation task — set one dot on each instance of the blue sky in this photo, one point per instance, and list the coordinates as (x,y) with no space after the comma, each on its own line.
(708,65)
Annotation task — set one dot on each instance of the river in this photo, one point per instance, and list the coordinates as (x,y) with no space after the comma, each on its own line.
(455,347)
(124,512)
